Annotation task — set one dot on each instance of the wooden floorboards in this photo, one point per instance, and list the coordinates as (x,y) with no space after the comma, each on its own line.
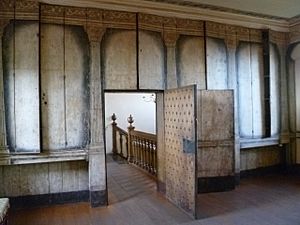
(134,201)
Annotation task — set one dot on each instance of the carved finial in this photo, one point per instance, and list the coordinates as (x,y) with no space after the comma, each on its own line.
(114,118)
(130,121)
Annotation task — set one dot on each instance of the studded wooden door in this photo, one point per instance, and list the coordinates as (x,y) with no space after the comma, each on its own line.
(180,147)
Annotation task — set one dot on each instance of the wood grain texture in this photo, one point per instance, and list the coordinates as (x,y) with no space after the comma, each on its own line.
(55,177)
(190,61)
(151,61)
(217,75)
(215,111)
(43,178)
(119,59)
(181,162)
(261,157)
(269,200)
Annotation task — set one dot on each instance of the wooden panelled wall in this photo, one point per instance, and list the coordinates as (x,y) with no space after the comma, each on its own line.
(171,53)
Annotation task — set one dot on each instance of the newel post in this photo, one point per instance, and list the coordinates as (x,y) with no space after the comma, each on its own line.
(114,133)
(130,146)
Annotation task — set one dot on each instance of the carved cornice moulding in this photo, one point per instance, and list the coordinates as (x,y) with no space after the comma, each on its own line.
(233,34)
(279,38)
(180,11)
(294,35)
(163,17)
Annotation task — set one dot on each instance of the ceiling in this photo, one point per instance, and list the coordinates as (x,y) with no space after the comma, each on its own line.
(276,8)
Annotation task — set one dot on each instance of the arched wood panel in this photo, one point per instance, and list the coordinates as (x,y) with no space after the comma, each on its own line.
(217,75)
(21,86)
(251,90)
(151,61)
(190,61)
(64,83)
(119,59)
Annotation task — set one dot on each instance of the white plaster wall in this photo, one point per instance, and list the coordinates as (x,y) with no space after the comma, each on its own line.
(124,104)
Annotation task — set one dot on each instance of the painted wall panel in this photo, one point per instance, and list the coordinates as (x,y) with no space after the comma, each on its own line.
(26,87)
(44,178)
(190,61)
(256,56)
(261,157)
(297,93)
(21,66)
(119,59)
(217,75)
(52,68)
(245,91)
(27,182)
(251,90)
(275,90)
(76,87)
(55,178)
(11,185)
(151,61)
(65,93)
(70,176)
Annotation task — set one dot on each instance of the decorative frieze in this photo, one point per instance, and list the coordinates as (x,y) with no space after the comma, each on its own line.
(279,38)
(160,24)
(117,19)
(190,27)
(294,35)
(52,14)
(94,15)
(27,10)
(151,22)
(7,6)
(249,35)
(215,30)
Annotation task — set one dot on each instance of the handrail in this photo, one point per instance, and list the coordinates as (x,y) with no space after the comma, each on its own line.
(140,147)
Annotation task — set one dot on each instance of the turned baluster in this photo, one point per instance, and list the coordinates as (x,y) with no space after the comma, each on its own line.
(114,133)
(130,148)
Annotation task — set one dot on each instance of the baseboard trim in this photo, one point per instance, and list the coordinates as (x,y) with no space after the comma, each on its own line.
(261,171)
(216,184)
(31,201)
(161,187)
(237,178)
(98,198)
(294,169)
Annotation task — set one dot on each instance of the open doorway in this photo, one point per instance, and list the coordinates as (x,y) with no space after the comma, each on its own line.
(130,132)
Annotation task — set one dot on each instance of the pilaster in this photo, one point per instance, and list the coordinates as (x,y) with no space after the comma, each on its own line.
(3,144)
(170,39)
(97,168)
(231,44)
